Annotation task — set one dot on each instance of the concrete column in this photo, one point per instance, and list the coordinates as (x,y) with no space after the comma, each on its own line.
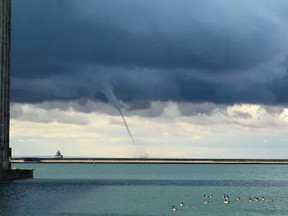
(5,23)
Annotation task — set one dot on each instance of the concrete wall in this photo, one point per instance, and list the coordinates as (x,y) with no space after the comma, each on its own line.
(15,174)
(5,19)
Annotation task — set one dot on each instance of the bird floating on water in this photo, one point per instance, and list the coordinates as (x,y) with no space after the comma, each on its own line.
(174,208)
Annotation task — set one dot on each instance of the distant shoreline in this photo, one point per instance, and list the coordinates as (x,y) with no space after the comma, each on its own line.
(148,161)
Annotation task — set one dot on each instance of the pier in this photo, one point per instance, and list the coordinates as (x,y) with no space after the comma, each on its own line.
(147,160)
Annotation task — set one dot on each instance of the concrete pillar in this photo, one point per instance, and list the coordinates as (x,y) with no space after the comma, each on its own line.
(5,23)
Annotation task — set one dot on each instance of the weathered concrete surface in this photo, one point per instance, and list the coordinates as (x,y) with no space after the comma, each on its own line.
(6,173)
(16,174)
(5,18)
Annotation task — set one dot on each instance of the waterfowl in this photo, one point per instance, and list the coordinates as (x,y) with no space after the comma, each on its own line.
(174,208)
(226,201)
(206,202)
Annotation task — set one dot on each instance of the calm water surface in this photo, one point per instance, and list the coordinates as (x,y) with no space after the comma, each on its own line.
(146,190)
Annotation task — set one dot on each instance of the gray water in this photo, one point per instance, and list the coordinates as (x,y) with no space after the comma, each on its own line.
(146,190)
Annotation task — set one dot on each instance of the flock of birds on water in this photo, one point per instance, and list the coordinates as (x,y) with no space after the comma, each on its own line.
(226,201)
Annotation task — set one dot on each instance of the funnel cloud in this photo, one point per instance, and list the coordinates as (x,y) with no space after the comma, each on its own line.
(115,103)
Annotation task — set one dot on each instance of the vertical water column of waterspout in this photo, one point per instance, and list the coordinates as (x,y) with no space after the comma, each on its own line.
(108,91)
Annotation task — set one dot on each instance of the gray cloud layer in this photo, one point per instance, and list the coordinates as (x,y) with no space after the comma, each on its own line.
(220,51)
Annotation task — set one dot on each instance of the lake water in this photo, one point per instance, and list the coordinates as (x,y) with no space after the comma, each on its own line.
(146,190)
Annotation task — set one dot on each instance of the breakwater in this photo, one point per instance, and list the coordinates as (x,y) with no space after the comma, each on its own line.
(148,160)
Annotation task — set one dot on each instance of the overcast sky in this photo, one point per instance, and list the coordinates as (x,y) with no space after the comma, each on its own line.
(193,78)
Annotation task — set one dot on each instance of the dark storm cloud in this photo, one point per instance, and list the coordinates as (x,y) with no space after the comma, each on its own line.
(186,51)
